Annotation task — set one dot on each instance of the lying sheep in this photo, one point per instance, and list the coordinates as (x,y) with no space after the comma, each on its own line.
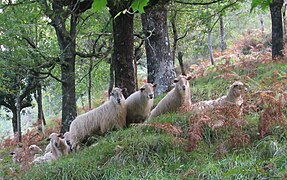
(34,150)
(140,103)
(234,97)
(56,148)
(231,103)
(58,145)
(178,97)
(47,157)
(111,114)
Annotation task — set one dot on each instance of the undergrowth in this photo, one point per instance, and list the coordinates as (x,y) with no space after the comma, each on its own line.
(222,144)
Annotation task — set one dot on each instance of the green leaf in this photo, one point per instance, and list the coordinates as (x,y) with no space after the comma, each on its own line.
(99,5)
(138,5)
(263,3)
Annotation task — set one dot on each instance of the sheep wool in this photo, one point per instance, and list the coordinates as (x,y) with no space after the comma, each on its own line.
(178,97)
(58,145)
(110,115)
(140,103)
(234,97)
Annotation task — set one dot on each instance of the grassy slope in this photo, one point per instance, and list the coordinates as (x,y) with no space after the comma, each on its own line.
(148,153)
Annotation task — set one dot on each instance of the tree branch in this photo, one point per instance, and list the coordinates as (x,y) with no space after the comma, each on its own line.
(198,3)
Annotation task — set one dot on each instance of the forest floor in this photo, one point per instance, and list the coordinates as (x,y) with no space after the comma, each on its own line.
(183,146)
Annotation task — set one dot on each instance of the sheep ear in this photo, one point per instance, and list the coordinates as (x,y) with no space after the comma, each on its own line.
(142,89)
(175,80)
(154,86)
(124,90)
(188,78)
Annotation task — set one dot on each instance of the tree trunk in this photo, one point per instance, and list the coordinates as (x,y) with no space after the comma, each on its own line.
(18,117)
(14,120)
(277,29)
(209,44)
(90,84)
(159,61)
(41,120)
(261,24)
(67,42)
(123,55)
(180,60)
(175,35)
(221,28)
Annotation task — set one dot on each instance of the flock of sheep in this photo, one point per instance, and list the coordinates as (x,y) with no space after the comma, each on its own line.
(119,112)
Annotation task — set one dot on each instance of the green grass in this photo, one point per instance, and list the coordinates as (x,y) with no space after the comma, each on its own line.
(143,152)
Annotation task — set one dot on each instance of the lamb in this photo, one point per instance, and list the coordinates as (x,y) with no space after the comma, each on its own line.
(110,115)
(34,150)
(140,103)
(178,97)
(57,148)
(234,97)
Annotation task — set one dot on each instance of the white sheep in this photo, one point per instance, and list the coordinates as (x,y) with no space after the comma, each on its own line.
(47,157)
(35,150)
(178,97)
(110,115)
(56,148)
(140,103)
(234,97)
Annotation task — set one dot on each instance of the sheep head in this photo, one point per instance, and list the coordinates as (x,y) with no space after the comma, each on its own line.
(54,139)
(148,90)
(34,149)
(236,89)
(182,84)
(116,96)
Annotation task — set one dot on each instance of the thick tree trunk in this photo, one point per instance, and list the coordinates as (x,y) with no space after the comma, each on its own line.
(159,61)
(123,55)
(277,29)
(69,111)
(221,29)
(67,44)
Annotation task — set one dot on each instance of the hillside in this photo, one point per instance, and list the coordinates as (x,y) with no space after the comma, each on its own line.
(251,147)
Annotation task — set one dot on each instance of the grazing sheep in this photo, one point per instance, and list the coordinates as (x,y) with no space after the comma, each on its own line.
(178,97)
(232,98)
(110,115)
(140,103)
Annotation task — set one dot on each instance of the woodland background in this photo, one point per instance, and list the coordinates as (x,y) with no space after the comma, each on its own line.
(61,58)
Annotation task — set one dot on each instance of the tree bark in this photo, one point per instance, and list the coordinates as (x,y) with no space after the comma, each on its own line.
(209,44)
(159,61)
(277,29)
(180,60)
(123,56)
(90,84)
(67,42)
(221,29)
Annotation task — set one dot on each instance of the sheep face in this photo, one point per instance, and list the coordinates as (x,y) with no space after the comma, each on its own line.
(116,96)
(55,139)
(237,89)
(34,149)
(182,83)
(148,90)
